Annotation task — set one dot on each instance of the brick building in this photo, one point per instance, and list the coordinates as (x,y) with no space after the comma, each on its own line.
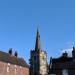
(64,65)
(12,65)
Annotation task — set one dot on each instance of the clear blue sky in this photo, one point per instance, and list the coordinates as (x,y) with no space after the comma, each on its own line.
(19,20)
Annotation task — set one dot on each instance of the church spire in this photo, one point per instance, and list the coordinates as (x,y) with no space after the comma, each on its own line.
(37,44)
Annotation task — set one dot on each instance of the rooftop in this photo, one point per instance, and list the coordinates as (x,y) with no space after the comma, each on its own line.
(6,57)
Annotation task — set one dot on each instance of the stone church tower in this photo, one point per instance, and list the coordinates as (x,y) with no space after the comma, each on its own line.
(38,59)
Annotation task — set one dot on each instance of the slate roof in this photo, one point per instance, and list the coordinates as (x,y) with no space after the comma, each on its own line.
(62,59)
(6,57)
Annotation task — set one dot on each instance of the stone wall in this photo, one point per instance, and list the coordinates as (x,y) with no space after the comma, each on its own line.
(10,69)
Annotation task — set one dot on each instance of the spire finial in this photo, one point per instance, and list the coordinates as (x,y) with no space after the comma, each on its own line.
(37,44)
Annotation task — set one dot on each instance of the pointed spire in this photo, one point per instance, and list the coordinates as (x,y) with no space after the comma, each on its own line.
(37,44)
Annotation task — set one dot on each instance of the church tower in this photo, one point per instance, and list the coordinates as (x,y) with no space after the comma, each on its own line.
(38,59)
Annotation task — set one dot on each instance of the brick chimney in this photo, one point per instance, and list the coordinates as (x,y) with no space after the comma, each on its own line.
(10,51)
(15,54)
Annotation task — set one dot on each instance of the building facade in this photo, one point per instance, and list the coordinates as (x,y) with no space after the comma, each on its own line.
(38,59)
(12,65)
(64,65)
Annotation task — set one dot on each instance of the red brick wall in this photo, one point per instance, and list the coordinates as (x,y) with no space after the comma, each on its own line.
(10,69)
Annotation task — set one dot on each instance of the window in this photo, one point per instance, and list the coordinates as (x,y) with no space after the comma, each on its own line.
(8,64)
(7,68)
(65,72)
(15,71)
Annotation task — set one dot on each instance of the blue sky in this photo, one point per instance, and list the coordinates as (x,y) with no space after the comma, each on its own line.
(19,20)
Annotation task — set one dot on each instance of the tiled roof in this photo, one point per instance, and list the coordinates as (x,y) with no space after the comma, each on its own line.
(6,57)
